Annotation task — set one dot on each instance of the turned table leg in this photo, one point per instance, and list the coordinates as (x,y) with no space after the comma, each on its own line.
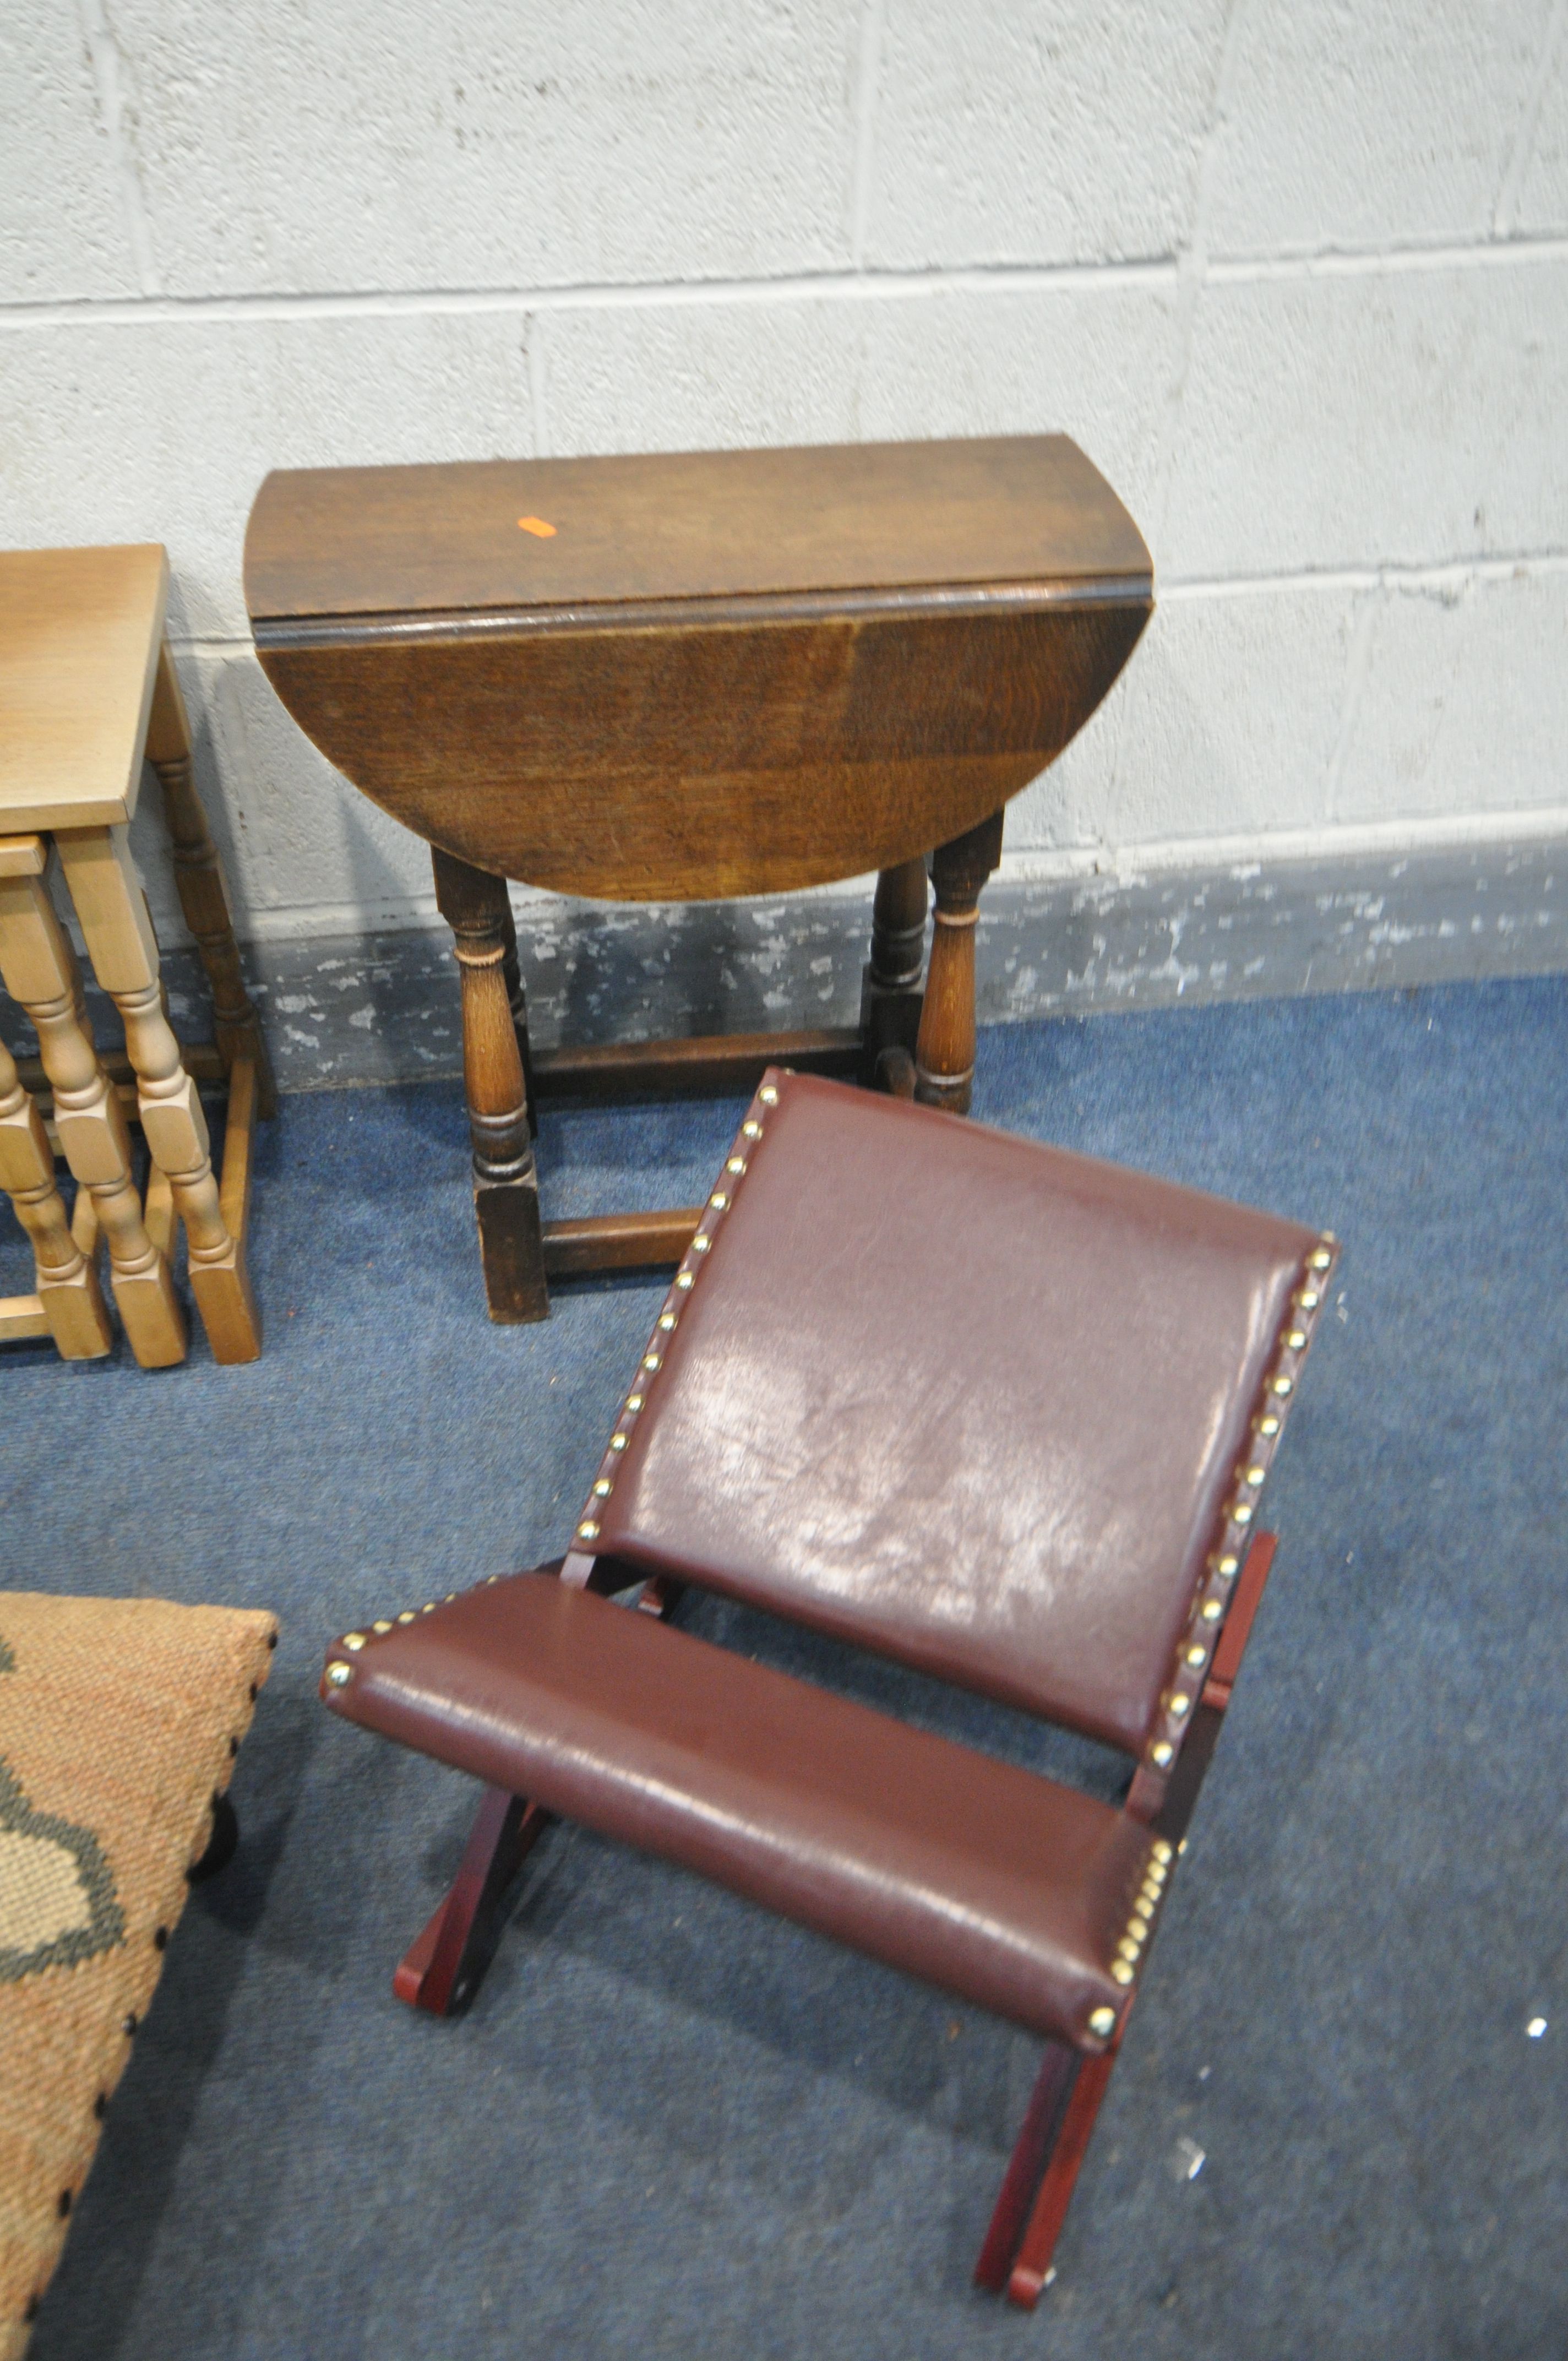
(890,982)
(123,948)
(69,1294)
(199,879)
(506,1185)
(41,974)
(944,1053)
(512,971)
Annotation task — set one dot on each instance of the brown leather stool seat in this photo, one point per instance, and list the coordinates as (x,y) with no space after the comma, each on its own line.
(1007,1888)
(998,1412)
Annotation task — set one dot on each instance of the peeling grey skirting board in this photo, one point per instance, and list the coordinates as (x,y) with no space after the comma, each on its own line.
(384,1008)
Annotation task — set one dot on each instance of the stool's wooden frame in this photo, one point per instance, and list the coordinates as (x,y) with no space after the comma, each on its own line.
(442,1968)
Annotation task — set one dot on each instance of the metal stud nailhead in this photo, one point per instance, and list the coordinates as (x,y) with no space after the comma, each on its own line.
(1121,1972)
(617,1442)
(1256,1475)
(587,1530)
(1269,1426)
(1196,1655)
(1163,1755)
(1242,1513)
(701,1242)
(1281,1386)
(355,1640)
(602,1487)
(380,1624)
(683,1278)
(719,1200)
(1127,1951)
(1322,1259)
(407,1615)
(1308,1298)
(339,1675)
(1211,1610)
(768,1095)
(633,1402)
(751,1129)
(666,1321)
(651,1360)
(735,1164)
(1162,1853)
(1180,1703)
(1297,1340)
(1227,1567)
(1101,2023)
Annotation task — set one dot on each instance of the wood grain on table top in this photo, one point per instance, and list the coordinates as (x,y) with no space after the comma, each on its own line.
(79,630)
(687,525)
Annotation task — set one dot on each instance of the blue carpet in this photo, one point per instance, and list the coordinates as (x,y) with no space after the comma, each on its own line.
(673,2125)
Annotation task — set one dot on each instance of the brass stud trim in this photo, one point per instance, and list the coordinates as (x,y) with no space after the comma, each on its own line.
(1197,1655)
(1121,1972)
(355,1640)
(1180,1703)
(768,1094)
(1162,1755)
(1211,1610)
(380,1624)
(339,1675)
(1242,1513)
(719,1203)
(1162,1853)
(1268,1424)
(1281,1386)
(1256,1475)
(407,1615)
(1297,1340)
(1322,1261)
(1128,1950)
(1102,2023)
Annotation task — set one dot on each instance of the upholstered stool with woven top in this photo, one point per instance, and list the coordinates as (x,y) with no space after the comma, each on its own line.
(120,1720)
(999,1413)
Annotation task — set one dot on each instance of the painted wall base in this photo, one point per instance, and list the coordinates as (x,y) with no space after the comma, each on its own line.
(380,1008)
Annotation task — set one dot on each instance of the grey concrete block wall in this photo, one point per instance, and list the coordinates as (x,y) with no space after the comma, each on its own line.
(1296,276)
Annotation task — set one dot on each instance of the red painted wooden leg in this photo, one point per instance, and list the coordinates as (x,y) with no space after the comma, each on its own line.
(1039,2240)
(439,1967)
(1029,2156)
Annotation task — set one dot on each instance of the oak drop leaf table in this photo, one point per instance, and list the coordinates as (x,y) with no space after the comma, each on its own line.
(688,678)
(87,692)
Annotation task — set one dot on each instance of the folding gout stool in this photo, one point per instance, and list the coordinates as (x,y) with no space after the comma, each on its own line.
(999,1413)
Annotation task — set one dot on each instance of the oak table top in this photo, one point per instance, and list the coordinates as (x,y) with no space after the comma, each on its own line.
(693,674)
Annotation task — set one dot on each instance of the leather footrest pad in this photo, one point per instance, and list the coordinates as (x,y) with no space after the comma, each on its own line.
(978,1876)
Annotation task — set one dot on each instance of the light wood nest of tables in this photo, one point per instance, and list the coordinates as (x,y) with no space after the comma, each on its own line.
(87,691)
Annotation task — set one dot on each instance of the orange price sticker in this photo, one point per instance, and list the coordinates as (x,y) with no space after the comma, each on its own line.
(537,526)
